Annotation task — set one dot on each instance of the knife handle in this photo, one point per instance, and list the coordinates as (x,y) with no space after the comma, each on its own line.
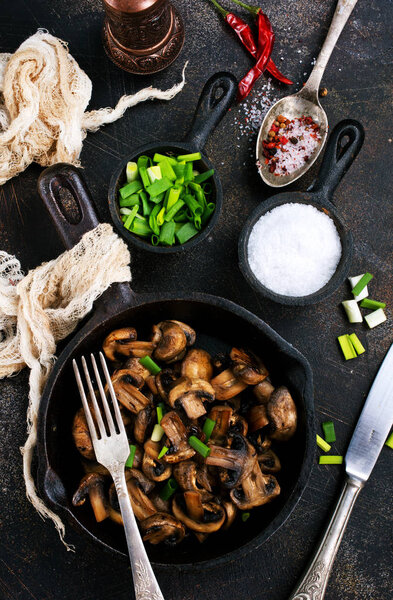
(312,585)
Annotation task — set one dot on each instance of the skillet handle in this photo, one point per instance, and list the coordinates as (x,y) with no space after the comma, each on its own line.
(215,99)
(338,157)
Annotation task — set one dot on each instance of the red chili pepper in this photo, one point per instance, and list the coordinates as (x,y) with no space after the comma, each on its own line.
(248,81)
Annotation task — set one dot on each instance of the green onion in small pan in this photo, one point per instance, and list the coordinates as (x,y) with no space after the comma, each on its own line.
(150,365)
(169,489)
(199,446)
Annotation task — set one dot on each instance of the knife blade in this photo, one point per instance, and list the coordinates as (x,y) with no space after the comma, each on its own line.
(373,425)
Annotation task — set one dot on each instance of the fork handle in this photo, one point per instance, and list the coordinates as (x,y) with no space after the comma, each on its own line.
(145,582)
(313,584)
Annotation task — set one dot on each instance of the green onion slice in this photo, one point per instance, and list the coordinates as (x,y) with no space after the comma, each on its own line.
(130,218)
(329,432)
(357,344)
(199,446)
(130,188)
(186,232)
(129,201)
(204,176)
(372,304)
(159,186)
(163,451)
(208,427)
(322,444)
(245,516)
(389,441)
(158,433)
(144,176)
(330,459)
(167,234)
(130,459)
(346,346)
(169,489)
(375,318)
(141,228)
(150,365)
(189,157)
(367,277)
(160,157)
(160,412)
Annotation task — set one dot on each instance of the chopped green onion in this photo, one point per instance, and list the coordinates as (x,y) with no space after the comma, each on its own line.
(160,216)
(375,318)
(167,234)
(322,444)
(372,304)
(330,459)
(158,433)
(150,365)
(353,281)
(186,232)
(207,187)
(146,207)
(356,343)
(173,197)
(197,222)
(169,489)
(245,516)
(128,222)
(329,432)
(154,173)
(131,171)
(155,240)
(141,228)
(179,170)
(193,204)
(160,157)
(143,161)
(346,347)
(172,211)
(160,412)
(389,441)
(130,459)
(167,170)
(129,201)
(352,309)
(125,211)
(157,199)
(209,210)
(203,176)
(361,284)
(163,451)
(188,172)
(159,186)
(189,157)
(153,219)
(199,446)
(181,216)
(130,188)
(208,427)
(144,176)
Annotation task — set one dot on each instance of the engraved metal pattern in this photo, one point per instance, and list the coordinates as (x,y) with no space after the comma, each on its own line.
(140,31)
(142,583)
(312,586)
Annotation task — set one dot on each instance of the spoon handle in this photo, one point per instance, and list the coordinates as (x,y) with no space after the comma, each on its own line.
(340,17)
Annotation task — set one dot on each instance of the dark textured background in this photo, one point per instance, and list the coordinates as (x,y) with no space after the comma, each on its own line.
(33,563)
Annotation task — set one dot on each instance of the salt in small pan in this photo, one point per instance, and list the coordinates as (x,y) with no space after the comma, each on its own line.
(294,249)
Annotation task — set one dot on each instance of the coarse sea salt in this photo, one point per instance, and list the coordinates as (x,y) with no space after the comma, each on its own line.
(294,249)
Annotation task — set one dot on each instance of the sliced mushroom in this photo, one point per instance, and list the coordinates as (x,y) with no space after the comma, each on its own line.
(188,331)
(238,424)
(145,483)
(222,415)
(247,367)
(151,384)
(176,432)
(269,462)
(172,343)
(117,343)
(153,468)
(92,466)
(255,490)
(81,435)
(159,503)
(260,440)
(126,393)
(263,391)
(186,475)
(236,462)
(140,349)
(162,527)
(230,513)
(226,385)
(257,417)
(202,517)
(92,485)
(164,382)
(138,371)
(144,423)
(189,393)
(282,414)
(142,506)
(197,365)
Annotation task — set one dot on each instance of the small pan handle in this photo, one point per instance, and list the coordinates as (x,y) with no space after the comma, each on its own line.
(216,97)
(338,157)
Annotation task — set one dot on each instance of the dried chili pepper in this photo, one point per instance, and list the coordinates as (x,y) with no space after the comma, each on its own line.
(246,36)
(248,81)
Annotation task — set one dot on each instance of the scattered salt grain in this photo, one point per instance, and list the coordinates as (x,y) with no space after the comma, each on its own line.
(294,249)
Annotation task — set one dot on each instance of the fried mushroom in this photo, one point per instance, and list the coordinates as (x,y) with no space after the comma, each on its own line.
(257,417)
(197,365)
(81,435)
(186,475)
(117,344)
(144,423)
(190,394)
(199,516)
(226,385)
(172,342)
(255,490)
(262,391)
(269,462)
(235,461)
(176,432)
(162,527)
(247,367)
(127,394)
(282,414)
(92,485)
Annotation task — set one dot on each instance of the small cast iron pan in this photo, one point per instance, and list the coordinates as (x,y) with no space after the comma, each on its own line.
(216,97)
(336,162)
(219,324)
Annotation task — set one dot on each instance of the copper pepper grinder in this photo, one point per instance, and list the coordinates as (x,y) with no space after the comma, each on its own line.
(142,36)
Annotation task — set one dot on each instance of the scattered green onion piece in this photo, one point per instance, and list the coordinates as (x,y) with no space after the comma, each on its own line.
(160,157)
(199,446)
(130,459)
(365,279)
(329,432)
(203,176)
(169,489)
(330,459)
(130,188)
(131,217)
(352,309)
(163,451)
(160,412)
(172,211)
(144,176)
(186,232)
(209,210)
(357,344)
(159,186)
(375,318)
(154,173)
(322,444)
(131,171)
(167,234)
(157,434)
(372,304)
(189,157)
(193,204)
(167,170)
(140,227)
(353,281)
(208,427)
(150,365)
(346,346)
(129,201)
(245,516)
(389,441)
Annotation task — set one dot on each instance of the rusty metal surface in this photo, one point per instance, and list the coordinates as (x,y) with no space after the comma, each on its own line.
(33,563)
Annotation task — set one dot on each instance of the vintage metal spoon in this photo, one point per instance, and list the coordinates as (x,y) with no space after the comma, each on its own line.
(305,102)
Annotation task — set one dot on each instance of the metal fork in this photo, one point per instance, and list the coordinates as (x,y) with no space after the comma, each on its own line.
(112,451)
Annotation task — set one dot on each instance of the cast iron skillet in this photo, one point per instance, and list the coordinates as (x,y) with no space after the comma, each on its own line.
(219,324)
(215,99)
(336,162)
